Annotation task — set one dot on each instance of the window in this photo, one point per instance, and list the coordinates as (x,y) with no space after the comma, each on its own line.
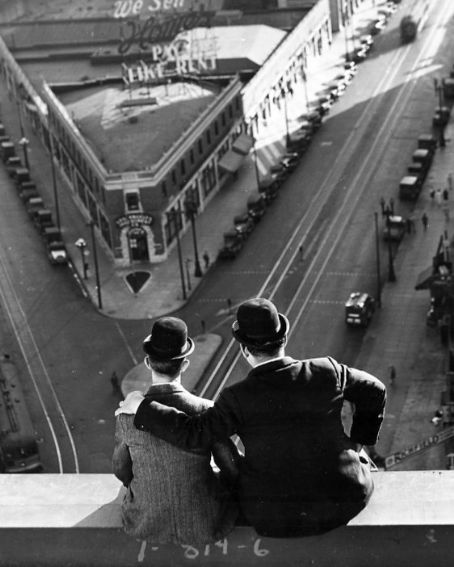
(132,201)
(200,147)
(191,156)
(182,167)
(174,177)
(230,111)
(223,118)
(164,189)
(208,137)
(216,127)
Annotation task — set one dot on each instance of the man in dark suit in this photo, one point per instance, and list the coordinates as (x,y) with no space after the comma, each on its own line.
(301,474)
(173,496)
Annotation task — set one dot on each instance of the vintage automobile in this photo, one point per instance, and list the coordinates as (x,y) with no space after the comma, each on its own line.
(359,309)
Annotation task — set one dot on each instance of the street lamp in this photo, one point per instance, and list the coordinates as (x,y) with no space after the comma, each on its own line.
(388,212)
(377,258)
(188,276)
(256,163)
(24,143)
(171,219)
(81,244)
(287,135)
(91,224)
(191,209)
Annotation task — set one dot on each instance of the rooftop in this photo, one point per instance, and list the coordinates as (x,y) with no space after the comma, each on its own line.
(130,129)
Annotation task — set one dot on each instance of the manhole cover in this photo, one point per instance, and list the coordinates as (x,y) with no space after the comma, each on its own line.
(136,280)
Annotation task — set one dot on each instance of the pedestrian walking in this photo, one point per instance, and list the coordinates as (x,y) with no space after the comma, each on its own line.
(445,194)
(392,374)
(206,259)
(425,221)
(432,196)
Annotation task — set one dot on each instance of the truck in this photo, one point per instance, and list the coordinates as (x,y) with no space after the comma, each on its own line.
(409,187)
(408,29)
(55,247)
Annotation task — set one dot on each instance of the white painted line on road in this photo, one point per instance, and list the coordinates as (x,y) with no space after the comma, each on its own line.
(128,348)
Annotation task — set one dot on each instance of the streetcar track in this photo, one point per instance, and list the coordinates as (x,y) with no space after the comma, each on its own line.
(30,351)
(313,213)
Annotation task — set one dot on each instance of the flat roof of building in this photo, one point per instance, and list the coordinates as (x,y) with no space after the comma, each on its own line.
(130,129)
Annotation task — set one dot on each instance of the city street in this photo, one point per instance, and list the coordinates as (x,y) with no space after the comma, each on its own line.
(314,247)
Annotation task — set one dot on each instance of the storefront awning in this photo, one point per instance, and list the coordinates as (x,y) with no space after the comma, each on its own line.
(231,161)
(243,144)
(425,278)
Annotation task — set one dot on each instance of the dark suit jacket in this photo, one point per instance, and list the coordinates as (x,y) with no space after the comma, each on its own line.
(301,474)
(173,496)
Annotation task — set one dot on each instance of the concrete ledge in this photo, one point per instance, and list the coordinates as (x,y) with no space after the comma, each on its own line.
(74,520)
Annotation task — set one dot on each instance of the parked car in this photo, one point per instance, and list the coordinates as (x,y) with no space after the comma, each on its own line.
(12,164)
(359,309)
(243,224)
(55,247)
(233,243)
(256,206)
(395,228)
(28,194)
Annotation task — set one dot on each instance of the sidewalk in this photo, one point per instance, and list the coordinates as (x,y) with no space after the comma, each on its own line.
(399,335)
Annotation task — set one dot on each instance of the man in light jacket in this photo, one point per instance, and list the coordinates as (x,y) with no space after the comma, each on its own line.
(173,496)
(301,474)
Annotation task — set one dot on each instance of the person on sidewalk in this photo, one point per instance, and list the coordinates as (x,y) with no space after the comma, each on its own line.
(425,221)
(301,474)
(173,496)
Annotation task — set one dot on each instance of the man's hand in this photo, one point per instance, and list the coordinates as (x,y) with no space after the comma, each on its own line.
(130,403)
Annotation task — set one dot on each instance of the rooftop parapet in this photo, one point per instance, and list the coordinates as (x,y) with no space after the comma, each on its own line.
(74,520)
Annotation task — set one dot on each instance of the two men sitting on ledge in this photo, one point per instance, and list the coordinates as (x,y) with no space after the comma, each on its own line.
(301,474)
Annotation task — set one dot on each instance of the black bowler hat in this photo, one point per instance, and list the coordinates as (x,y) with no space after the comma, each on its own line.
(258,323)
(168,340)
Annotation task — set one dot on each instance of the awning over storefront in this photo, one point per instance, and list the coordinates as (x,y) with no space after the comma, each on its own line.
(231,161)
(425,278)
(243,144)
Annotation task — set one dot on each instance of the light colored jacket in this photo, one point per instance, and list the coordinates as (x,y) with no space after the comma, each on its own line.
(173,496)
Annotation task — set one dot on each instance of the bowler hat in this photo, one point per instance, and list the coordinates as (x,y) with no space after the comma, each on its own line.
(258,323)
(168,340)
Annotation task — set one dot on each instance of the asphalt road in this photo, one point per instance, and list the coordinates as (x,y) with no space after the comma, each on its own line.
(327,205)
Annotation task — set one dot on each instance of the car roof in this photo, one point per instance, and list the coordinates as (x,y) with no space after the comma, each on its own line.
(357,298)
